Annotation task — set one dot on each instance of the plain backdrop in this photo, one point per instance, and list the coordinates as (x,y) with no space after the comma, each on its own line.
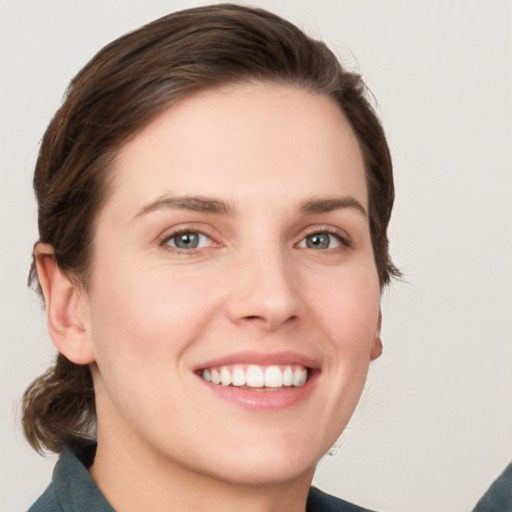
(435,424)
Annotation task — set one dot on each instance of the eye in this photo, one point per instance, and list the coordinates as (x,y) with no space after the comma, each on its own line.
(322,241)
(188,240)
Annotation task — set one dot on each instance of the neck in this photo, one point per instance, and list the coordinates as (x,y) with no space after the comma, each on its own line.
(138,479)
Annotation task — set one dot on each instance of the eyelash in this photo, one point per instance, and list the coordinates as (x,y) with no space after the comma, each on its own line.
(343,240)
(183,231)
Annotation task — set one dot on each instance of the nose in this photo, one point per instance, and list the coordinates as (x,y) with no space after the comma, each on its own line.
(265,292)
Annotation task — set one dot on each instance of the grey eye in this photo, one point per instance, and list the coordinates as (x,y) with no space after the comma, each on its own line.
(321,241)
(318,241)
(188,240)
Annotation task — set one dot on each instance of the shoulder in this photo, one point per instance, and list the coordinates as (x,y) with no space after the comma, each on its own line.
(72,489)
(319,501)
(47,502)
(499,495)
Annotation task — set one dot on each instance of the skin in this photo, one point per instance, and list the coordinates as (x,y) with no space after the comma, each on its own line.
(152,313)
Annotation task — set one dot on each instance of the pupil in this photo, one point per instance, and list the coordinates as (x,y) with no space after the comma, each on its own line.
(318,241)
(187,240)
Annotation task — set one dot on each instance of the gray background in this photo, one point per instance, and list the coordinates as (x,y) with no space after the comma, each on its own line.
(434,426)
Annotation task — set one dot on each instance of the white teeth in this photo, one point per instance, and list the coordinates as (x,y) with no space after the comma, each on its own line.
(225,376)
(288,376)
(300,376)
(255,377)
(215,377)
(238,377)
(273,377)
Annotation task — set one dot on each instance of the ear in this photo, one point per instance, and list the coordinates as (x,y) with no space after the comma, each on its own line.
(66,308)
(376,350)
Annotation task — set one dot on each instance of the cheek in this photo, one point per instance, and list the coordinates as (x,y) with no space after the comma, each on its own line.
(348,311)
(149,311)
(348,306)
(141,326)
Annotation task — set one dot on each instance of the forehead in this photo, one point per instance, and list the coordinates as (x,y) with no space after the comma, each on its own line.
(241,142)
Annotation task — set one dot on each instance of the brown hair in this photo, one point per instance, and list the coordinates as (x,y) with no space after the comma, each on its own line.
(119,92)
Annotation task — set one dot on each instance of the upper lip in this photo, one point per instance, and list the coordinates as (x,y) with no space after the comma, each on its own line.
(261,359)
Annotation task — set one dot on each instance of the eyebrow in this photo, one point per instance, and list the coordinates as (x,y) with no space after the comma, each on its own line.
(325,205)
(220,207)
(193,203)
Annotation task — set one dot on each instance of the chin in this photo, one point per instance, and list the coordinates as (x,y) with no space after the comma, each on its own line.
(264,464)
(265,473)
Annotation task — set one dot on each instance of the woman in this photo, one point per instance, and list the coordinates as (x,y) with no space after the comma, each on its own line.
(213,197)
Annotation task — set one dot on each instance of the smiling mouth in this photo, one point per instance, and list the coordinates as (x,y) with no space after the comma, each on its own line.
(254,376)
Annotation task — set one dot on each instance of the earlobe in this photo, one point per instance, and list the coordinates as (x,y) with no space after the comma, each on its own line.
(65,308)
(376,350)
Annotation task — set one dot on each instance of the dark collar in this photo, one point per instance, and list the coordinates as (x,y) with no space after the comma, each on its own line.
(74,488)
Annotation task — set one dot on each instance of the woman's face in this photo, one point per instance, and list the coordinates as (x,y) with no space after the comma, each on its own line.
(235,247)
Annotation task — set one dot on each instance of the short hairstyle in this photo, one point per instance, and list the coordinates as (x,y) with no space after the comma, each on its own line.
(127,84)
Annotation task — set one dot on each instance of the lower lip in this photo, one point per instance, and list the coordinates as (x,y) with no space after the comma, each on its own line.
(261,398)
